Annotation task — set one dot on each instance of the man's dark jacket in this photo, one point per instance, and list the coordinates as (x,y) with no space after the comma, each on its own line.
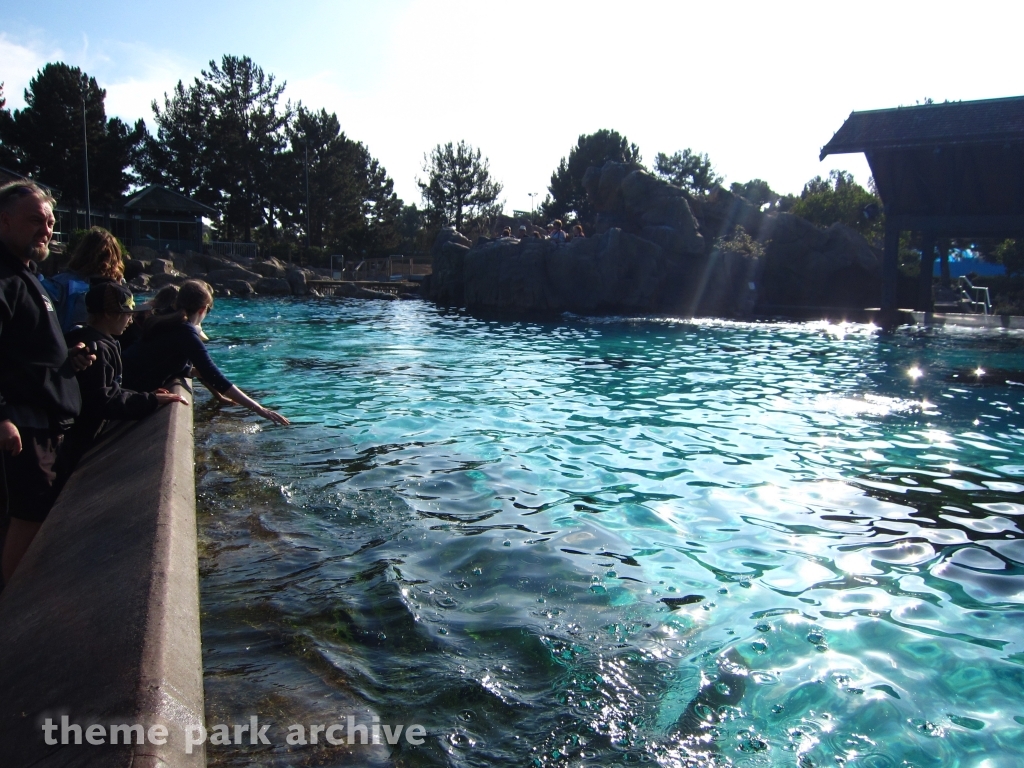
(35,373)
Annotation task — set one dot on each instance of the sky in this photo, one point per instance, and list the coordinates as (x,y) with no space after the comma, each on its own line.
(760,87)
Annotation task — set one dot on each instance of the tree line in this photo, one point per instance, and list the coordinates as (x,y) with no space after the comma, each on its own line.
(227,139)
(230,140)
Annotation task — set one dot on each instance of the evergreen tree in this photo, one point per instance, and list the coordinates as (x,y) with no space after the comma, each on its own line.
(568,200)
(352,203)
(459,188)
(840,199)
(222,140)
(246,138)
(7,157)
(44,140)
(180,155)
(689,170)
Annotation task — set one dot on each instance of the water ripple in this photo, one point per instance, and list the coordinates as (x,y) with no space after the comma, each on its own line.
(615,540)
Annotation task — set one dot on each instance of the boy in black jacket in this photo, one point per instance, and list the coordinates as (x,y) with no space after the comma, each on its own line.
(111,307)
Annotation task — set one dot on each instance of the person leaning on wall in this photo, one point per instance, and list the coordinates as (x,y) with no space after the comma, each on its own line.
(172,346)
(39,395)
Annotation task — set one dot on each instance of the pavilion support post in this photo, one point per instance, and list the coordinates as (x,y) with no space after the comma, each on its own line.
(890,270)
(924,283)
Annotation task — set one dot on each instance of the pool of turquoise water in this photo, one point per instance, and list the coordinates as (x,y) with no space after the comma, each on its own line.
(614,541)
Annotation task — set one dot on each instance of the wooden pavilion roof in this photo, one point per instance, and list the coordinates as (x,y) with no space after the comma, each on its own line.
(989,121)
(956,167)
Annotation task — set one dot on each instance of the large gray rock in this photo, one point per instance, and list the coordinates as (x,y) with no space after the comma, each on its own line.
(657,250)
(159,281)
(274,286)
(615,272)
(448,257)
(299,278)
(351,291)
(133,268)
(237,287)
(209,261)
(161,267)
(641,265)
(143,253)
(217,276)
(809,266)
(270,268)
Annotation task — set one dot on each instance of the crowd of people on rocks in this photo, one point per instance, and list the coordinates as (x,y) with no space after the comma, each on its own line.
(554,231)
(78,355)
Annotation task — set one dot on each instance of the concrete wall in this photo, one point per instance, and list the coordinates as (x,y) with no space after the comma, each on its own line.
(101,621)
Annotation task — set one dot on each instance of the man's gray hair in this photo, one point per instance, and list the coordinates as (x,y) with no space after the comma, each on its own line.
(14,191)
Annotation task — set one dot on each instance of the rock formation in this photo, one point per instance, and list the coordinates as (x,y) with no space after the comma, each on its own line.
(148,270)
(656,250)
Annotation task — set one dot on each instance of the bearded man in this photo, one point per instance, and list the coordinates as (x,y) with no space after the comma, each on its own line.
(39,395)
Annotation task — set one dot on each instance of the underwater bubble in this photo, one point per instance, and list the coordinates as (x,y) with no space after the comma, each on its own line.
(751,742)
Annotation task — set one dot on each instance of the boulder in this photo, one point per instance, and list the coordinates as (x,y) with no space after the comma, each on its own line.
(448,257)
(143,253)
(809,266)
(615,272)
(139,282)
(159,281)
(351,291)
(224,274)
(274,286)
(657,250)
(133,268)
(237,287)
(161,267)
(209,261)
(270,268)
(298,278)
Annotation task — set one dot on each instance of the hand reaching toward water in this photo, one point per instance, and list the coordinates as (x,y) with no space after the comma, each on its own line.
(241,398)
(274,416)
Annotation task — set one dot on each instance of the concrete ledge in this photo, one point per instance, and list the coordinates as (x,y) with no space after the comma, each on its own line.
(101,621)
(969,321)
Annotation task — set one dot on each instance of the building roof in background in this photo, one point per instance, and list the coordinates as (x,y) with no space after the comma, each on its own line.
(989,121)
(158,198)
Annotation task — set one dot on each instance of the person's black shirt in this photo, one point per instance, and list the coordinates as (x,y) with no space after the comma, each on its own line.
(169,349)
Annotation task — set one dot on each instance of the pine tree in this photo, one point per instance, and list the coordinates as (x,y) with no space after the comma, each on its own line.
(459,189)
(44,140)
